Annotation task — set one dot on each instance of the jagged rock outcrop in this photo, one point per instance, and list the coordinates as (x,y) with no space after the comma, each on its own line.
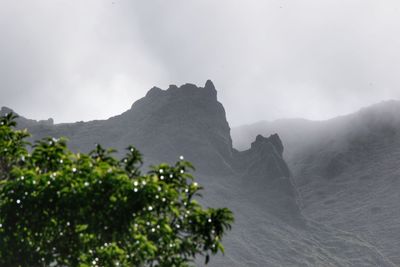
(171,122)
(270,152)
(265,157)
(265,177)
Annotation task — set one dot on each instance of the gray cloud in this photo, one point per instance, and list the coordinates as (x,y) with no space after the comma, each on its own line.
(75,60)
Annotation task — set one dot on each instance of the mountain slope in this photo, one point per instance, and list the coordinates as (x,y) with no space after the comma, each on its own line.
(270,228)
(347,171)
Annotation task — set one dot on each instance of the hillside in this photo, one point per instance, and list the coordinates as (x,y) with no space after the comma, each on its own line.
(346,170)
(257,184)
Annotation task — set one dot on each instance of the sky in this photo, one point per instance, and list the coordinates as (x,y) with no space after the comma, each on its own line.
(75,60)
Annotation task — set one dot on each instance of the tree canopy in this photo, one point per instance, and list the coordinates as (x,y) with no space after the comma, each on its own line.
(63,208)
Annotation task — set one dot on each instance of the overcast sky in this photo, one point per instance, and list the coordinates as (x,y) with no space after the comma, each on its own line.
(269,59)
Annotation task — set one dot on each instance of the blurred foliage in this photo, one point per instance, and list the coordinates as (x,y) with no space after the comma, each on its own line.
(59,208)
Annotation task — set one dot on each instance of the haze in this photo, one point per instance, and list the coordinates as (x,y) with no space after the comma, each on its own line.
(84,60)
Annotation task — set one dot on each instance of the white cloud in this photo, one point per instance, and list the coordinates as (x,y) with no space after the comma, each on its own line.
(273,59)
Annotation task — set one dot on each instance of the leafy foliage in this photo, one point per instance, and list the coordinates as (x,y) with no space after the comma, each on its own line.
(12,145)
(58,207)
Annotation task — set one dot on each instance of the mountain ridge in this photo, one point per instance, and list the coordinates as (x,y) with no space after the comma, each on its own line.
(346,171)
(256,184)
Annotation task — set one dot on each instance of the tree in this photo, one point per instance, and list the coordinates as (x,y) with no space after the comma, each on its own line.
(12,145)
(71,209)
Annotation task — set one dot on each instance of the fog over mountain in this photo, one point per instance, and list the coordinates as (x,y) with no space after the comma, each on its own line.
(346,170)
(303,193)
(298,132)
(270,59)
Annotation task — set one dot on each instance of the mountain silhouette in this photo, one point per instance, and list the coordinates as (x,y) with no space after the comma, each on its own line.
(274,226)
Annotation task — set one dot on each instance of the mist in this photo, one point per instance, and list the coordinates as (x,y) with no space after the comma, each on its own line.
(73,60)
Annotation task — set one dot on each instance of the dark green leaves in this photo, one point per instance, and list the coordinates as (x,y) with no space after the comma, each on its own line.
(12,145)
(132,162)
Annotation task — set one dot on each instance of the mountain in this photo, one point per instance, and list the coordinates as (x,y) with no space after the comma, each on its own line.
(346,170)
(271,228)
(163,125)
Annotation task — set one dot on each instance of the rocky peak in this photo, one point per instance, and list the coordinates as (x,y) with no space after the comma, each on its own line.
(154,92)
(206,92)
(273,143)
(267,178)
(188,118)
(209,85)
(265,154)
(185,90)
(172,87)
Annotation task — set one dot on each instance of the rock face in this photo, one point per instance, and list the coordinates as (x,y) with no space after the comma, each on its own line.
(270,228)
(346,171)
(171,122)
(266,154)
(265,178)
